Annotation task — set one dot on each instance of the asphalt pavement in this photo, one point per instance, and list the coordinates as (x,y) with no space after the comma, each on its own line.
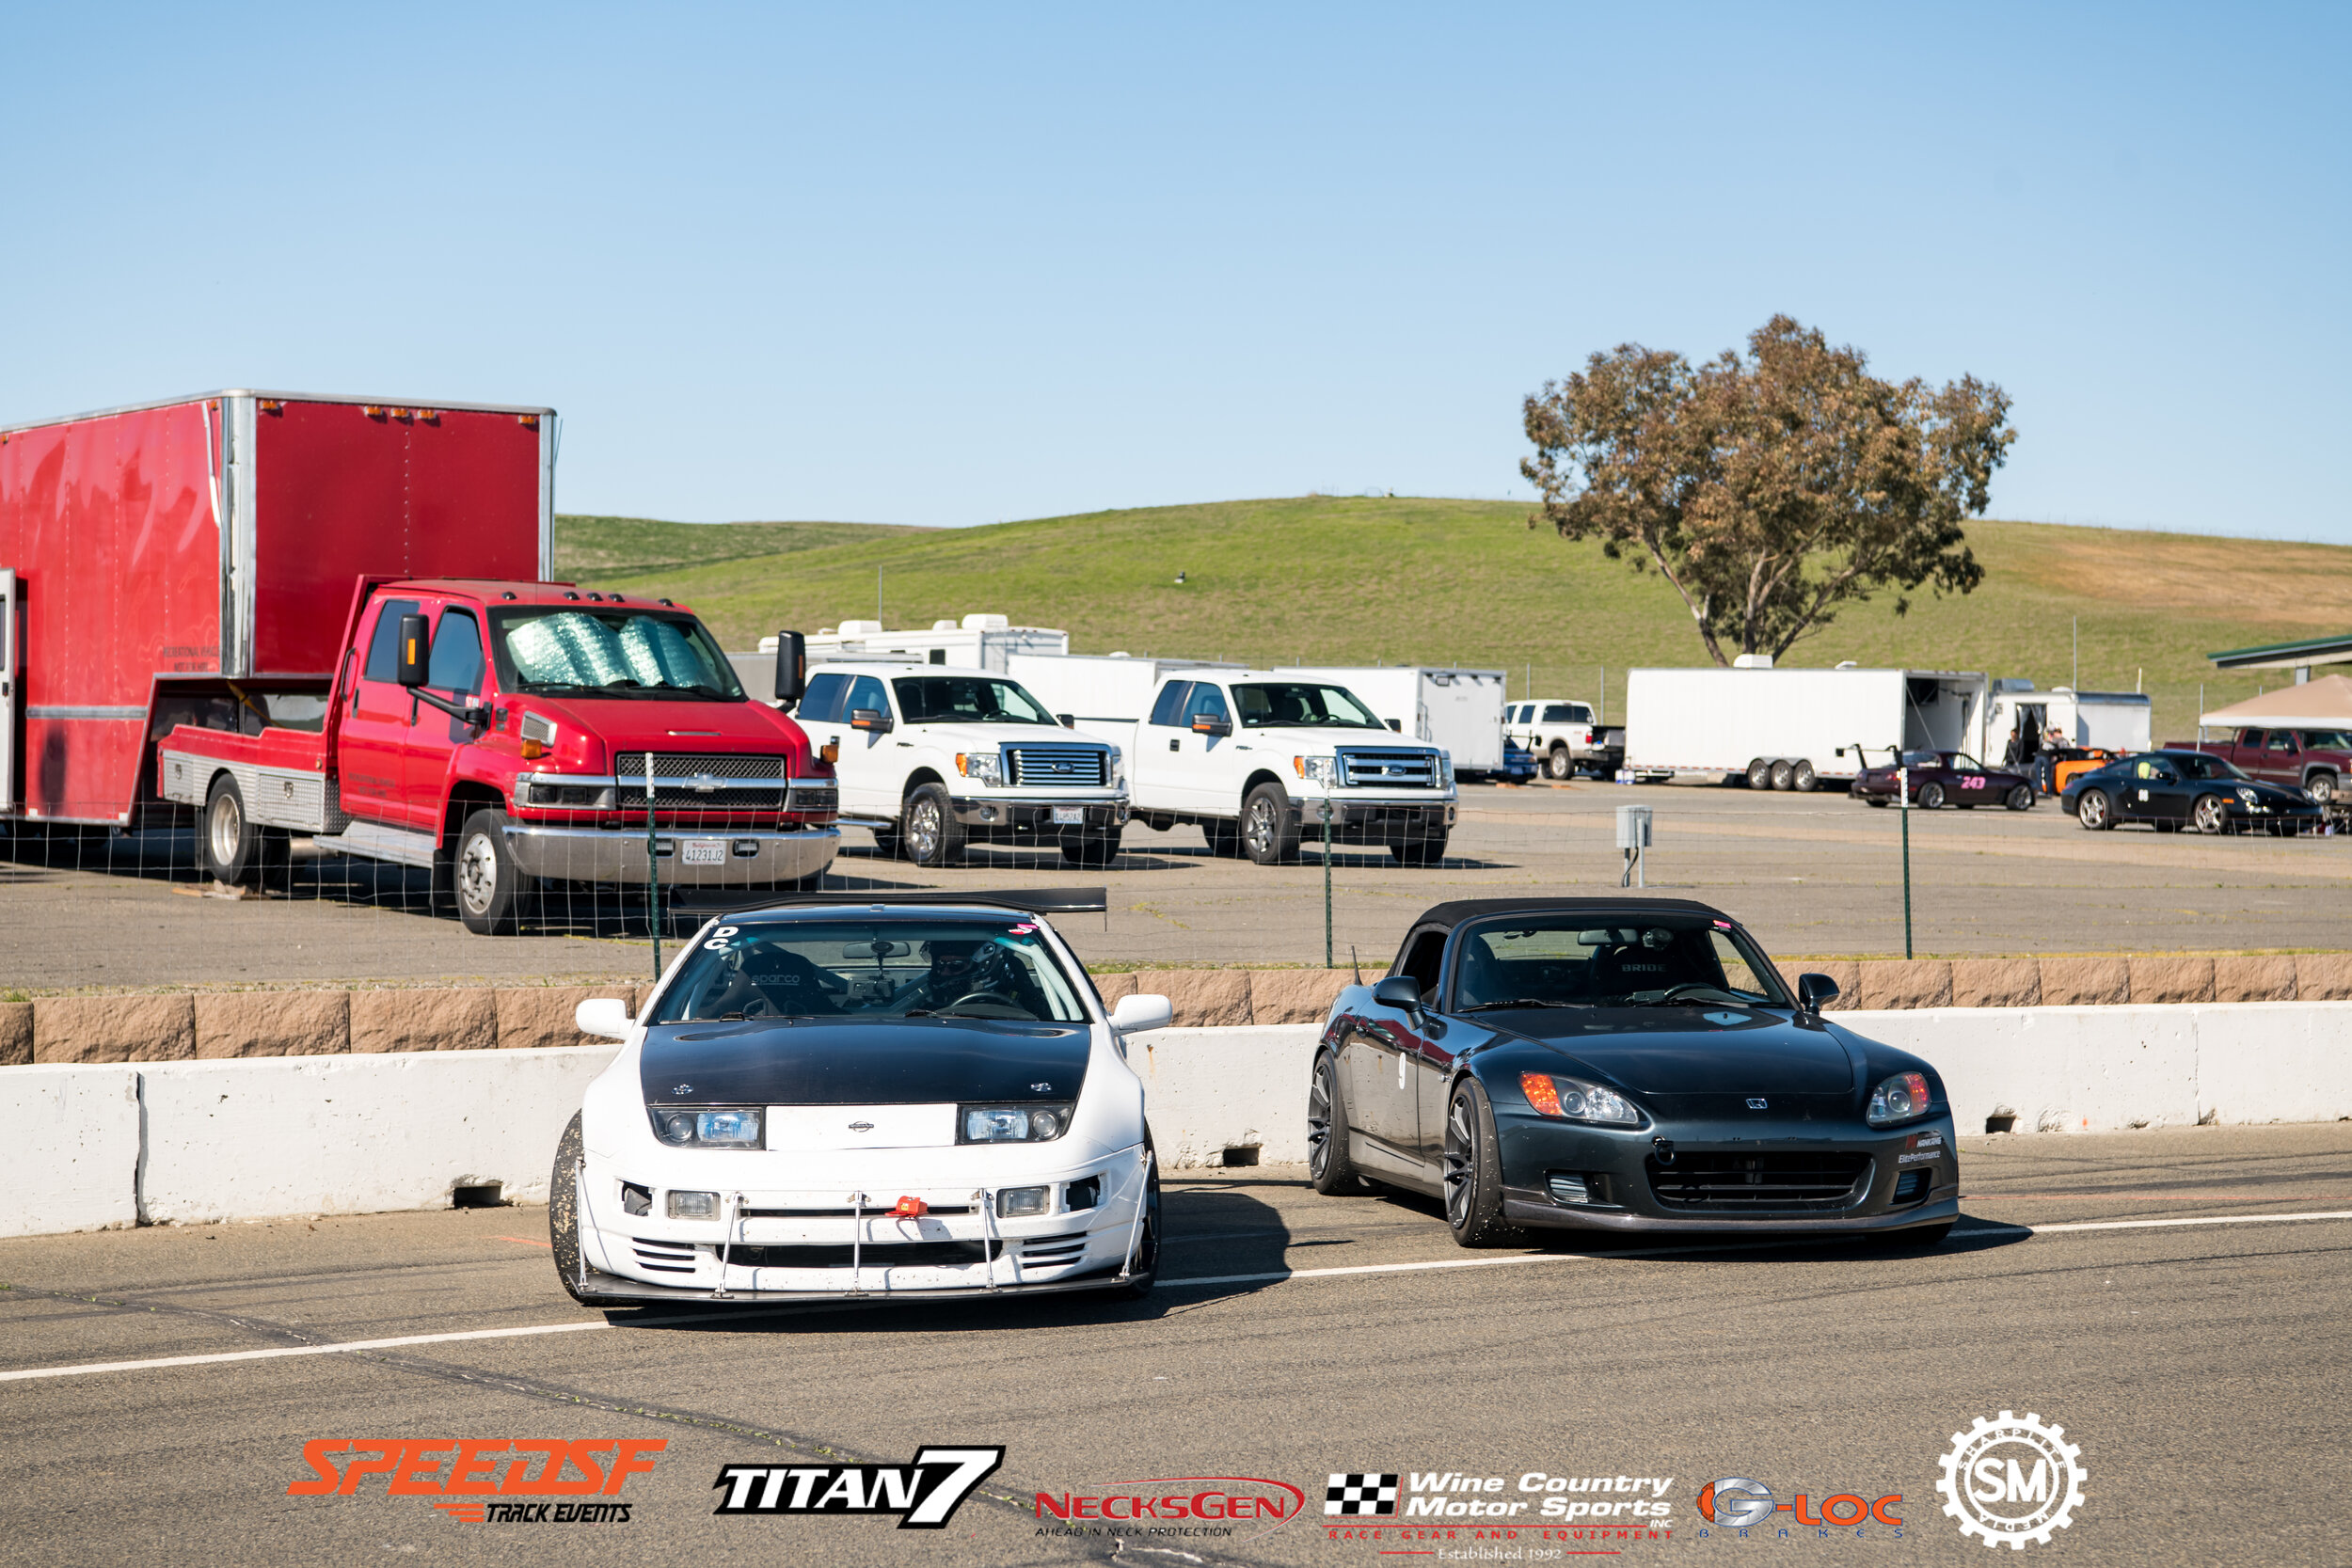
(2174,1300)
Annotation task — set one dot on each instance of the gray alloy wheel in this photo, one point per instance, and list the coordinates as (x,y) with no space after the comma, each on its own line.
(1802,776)
(1328,1164)
(563,1217)
(929,829)
(1474,1170)
(2321,787)
(2093,810)
(227,841)
(2211,814)
(2020,798)
(1931,797)
(1760,774)
(1267,834)
(1783,774)
(490,887)
(1558,764)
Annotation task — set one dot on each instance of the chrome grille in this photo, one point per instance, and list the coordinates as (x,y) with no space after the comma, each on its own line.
(1075,765)
(1731,1182)
(724,783)
(1387,768)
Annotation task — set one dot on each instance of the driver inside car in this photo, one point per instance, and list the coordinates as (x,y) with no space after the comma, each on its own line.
(961,971)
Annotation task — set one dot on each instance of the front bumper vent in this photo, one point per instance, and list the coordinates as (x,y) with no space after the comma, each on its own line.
(1740,1183)
(665,1256)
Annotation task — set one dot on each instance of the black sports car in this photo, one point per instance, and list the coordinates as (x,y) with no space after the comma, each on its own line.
(2170,790)
(1622,1063)
(1944,779)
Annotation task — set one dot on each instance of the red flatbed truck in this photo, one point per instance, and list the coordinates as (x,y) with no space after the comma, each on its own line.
(280,613)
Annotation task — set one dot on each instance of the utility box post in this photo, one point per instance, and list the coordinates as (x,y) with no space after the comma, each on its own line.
(1633,838)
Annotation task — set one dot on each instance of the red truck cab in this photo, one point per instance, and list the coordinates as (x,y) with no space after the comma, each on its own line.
(500,734)
(2313,761)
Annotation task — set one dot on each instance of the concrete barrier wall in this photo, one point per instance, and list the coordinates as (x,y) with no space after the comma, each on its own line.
(196,1141)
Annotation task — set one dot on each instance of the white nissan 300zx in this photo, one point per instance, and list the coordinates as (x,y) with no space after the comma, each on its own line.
(889,1100)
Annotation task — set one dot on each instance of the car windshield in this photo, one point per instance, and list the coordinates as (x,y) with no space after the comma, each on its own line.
(1923,759)
(967,699)
(1310,703)
(871,970)
(1570,960)
(612,651)
(2205,768)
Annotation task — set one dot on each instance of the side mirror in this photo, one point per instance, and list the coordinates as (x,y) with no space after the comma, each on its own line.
(1396,724)
(791,667)
(1067,721)
(1204,724)
(1401,992)
(1135,1014)
(870,719)
(1815,991)
(607,1015)
(415,652)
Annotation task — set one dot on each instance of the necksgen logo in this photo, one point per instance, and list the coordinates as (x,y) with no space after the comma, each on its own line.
(487,1473)
(1189,1500)
(924,1494)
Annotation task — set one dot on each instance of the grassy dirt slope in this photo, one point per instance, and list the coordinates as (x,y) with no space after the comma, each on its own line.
(1355,580)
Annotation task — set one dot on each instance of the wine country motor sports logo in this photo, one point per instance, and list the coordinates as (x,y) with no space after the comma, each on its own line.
(1738,1504)
(487,1479)
(2012,1481)
(1358,1494)
(924,1495)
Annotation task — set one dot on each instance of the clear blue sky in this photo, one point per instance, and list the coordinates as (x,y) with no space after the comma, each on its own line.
(955,265)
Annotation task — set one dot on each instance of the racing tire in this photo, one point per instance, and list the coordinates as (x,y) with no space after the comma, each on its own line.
(1474,1170)
(1802,776)
(1559,764)
(1144,1271)
(228,840)
(1419,851)
(563,1217)
(929,834)
(489,887)
(2321,787)
(1783,774)
(1329,1168)
(1931,797)
(2211,814)
(1760,774)
(2095,811)
(2020,798)
(1091,851)
(1268,835)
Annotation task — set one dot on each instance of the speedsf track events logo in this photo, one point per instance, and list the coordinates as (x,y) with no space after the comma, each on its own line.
(495,1480)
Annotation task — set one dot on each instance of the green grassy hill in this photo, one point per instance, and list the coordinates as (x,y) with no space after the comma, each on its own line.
(1349,581)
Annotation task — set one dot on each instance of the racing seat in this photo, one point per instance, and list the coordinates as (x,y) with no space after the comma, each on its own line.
(779,979)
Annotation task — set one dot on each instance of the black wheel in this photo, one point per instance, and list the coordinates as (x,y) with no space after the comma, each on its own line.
(2020,798)
(1474,1170)
(2093,810)
(563,1217)
(1558,764)
(228,845)
(1760,774)
(1931,797)
(1143,1268)
(2321,787)
(1802,776)
(1429,850)
(928,828)
(1327,1165)
(1267,833)
(489,887)
(1783,774)
(1879,801)
(1224,838)
(886,843)
(1092,851)
(2211,814)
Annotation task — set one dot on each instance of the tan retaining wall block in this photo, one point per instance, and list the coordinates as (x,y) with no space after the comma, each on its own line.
(272,1023)
(16,1034)
(2323,976)
(1996,983)
(2085,982)
(1906,983)
(529,1017)
(424,1019)
(2253,980)
(1295,995)
(1202,998)
(114,1029)
(2171,977)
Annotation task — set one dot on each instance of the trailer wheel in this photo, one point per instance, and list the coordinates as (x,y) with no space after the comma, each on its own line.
(1760,774)
(1783,774)
(229,839)
(490,887)
(1558,764)
(1802,776)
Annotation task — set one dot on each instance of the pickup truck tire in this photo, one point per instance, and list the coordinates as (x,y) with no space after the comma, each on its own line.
(1419,851)
(2321,787)
(1224,837)
(489,887)
(928,828)
(230,847)
(1558,764)
(1267,833)
(1091,851)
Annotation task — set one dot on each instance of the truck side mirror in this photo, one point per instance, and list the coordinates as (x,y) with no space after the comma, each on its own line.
(1067,721)
(1396,724)
(871,719)
(791,667)
(1815,991)
(415,652)
(1204,724)
(1401,992)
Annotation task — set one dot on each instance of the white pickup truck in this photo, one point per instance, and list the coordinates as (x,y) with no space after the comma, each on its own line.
(932,758)
(1251,756)
(1563,737)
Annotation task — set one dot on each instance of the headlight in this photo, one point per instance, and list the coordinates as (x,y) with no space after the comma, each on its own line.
(1117,762)
(706,1129)
(1901,1097)
(1445,770)
(1015,1202)
(1555,1095)
(1318,770)
(1011,1124)
(2247,795)
(986,767)
(693,1206)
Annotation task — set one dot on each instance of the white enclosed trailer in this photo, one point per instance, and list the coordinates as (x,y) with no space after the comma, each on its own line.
(1103,694)
(1458,709)
(2019,720)
(1794,728)
(974,642)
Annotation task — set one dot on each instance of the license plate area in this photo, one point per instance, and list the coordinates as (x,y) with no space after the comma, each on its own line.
(1072,816)
(704,851)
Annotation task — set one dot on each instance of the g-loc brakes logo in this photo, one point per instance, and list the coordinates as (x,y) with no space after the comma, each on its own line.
(1738,1502)
(470,1469)
(1986,1491)
(924,1494)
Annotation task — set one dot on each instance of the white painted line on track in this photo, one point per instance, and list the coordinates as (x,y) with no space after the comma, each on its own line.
(1433,1265)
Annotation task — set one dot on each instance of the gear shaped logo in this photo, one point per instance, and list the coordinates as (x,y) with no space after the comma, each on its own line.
(2012,1481)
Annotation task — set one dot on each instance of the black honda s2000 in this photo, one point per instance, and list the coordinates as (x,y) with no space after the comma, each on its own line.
(1622,1063)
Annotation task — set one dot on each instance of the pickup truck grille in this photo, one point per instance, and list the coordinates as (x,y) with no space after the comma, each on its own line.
(1362,768)
(1047,765)
(1734,1183)
(711,782)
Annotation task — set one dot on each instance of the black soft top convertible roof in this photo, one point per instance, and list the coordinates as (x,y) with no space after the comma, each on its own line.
(1029,900)
(1451,916)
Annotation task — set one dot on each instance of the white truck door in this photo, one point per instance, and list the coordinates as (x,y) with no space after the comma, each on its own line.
(870,766)
(1210,780)
(1155,764)
(11,694)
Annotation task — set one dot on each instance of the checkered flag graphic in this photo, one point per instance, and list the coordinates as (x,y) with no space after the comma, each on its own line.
(1359,1493)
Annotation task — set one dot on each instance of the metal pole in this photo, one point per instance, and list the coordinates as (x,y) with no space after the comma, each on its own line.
(1600,703)
(1327,881)
(2078,654)
(653,873)
(1902,778)
(878,572)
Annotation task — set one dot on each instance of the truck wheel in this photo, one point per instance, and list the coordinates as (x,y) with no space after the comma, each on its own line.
(489,886)
(886,843)
(2321,787)
(1268,832)
(1783,774)
(1224,837)
(1760,774)
(1419,851)
(930,831)
(1802,776)
(229,844)
(1558,764)
(1092,851)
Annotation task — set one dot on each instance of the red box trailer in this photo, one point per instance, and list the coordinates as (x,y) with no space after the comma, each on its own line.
(193,593)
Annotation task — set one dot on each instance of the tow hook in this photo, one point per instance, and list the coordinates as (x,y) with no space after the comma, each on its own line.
(1664,1150)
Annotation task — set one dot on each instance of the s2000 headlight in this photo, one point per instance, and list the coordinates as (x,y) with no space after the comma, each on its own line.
(1554,1093)
(1900,1099)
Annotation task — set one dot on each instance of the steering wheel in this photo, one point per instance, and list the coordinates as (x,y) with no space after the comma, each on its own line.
(983,996)
(1672,992)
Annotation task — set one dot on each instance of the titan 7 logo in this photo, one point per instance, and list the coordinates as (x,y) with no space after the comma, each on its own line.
(924,1494)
